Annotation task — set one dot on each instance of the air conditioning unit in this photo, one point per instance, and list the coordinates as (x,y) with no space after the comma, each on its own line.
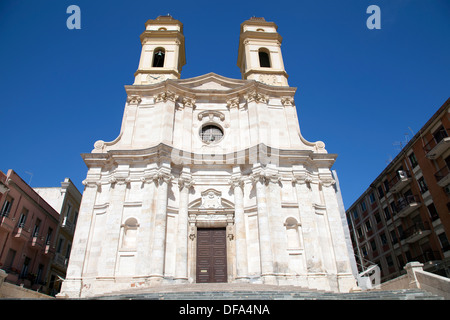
(402,174)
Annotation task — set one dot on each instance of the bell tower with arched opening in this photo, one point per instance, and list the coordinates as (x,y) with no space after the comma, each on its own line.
(259,56)
(163,53)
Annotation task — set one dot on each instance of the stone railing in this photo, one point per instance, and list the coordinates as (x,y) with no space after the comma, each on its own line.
(9,290)
(416,278)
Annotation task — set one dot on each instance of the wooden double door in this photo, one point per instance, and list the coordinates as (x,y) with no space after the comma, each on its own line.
(211,255)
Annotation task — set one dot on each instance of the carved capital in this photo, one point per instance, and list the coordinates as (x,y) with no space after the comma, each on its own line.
(257,97)
(287,101)
(236,181)
(233,103)
(188,102)
(134,99)
(166,95)
(185,181)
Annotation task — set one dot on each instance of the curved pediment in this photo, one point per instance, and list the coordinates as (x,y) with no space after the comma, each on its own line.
(211,199)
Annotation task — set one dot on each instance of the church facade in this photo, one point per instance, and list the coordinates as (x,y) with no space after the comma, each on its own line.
(209,180)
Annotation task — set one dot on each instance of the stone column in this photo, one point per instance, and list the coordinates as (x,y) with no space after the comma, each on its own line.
(159,234)
(265,246)
(276,223)
(181,260)
(110,242)
(313,253)
(345,277)
(146,224)
(239,221)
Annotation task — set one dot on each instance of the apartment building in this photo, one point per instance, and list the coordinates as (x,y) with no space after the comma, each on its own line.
(66,201)
(36,232)
(404,214)
(28,227)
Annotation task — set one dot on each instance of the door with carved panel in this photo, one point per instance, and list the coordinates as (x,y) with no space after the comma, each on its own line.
(211,255)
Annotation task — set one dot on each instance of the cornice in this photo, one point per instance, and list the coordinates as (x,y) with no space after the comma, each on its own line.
(166,153)
(186,87)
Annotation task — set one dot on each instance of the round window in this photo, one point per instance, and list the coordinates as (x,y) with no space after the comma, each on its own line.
(211,133)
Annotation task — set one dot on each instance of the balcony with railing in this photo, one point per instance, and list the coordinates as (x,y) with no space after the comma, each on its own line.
(6,223)
(427,256)
(416,232)
(443,176)
(401,180)
(438,145)
(404,206)
(21,232)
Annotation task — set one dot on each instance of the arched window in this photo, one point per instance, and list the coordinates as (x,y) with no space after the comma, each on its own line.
(211,133)
(158,58)
(130,229)
(264,58)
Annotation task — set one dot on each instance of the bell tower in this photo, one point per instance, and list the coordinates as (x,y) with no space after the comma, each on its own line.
(259,56)
(163,52)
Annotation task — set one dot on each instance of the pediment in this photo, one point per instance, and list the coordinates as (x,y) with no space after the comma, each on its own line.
(211,81)
(211,199)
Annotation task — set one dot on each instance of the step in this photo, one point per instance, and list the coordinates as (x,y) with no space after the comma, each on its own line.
(247,291)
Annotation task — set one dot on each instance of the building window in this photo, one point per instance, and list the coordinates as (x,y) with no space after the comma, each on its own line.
(368,225)
(380,192)
(422,185)
(377,217)
(36,228)
(363,206)
(413,160)
(440,134)
(264,58)
(372,198)
(7,206)
(445,245)
(364,251)
(383,238)
(211,133)
(60,244)
(23,218)
(373,245)
(360,233)
(433,212)
(394,237)
(386,185)
(158,58)
(355,213)
(387,214)
(389,261)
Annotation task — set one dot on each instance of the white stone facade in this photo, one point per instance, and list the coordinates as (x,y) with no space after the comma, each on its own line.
(148,192)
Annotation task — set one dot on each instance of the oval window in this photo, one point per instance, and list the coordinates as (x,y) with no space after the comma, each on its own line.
(211,133)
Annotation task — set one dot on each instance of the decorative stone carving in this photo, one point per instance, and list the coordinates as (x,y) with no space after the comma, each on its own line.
(287,101)
(211,199)
(211,114)
(233,103)
(257,97)
(134,99)
(188,102)
(166,95)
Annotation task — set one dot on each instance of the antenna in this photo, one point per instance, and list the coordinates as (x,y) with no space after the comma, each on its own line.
(31,177)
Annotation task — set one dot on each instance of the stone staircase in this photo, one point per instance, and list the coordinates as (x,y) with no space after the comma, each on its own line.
(234,291)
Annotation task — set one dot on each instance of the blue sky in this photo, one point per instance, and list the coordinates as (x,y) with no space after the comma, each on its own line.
(359,90)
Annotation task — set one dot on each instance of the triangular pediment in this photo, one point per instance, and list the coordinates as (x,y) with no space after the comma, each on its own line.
(211,81)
